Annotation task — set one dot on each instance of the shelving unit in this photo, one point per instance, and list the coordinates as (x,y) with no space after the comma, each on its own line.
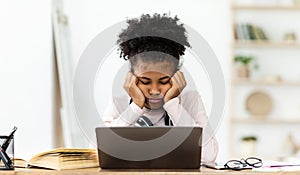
(277,59)
(265,121)
(264,44)
(265,83)
(265,7)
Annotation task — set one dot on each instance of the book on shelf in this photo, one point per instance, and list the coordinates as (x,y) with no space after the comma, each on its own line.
(61,159)
(247,31)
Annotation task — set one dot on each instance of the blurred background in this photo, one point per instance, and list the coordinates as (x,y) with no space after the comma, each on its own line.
(256,43)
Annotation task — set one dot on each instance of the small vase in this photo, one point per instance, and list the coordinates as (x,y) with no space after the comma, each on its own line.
(243,71)
(248,148)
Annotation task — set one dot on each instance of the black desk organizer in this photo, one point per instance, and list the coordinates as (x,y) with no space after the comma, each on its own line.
(7,152)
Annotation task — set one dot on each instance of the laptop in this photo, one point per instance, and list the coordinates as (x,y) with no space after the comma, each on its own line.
(149,147)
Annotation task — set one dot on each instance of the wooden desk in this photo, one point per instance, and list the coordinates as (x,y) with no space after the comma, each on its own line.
(98,171)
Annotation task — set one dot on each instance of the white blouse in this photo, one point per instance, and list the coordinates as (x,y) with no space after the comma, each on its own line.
(185,110)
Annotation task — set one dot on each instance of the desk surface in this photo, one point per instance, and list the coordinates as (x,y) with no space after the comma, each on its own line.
(98,171)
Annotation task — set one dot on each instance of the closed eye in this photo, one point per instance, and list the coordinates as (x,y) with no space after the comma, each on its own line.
(164,82)
(145,82)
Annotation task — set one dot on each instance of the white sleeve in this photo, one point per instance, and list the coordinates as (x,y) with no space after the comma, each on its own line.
(178,115)
(188,110)
(210,146)
(116,116)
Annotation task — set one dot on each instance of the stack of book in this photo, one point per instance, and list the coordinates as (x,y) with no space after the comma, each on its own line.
(62,159)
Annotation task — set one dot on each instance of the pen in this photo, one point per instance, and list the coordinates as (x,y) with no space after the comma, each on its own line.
(278,166)
(8,140)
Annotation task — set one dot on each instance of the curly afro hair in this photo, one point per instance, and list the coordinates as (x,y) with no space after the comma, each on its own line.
(135,39)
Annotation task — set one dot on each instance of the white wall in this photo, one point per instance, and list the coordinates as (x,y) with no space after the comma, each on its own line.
(26,65)
(210,18)
(26,74)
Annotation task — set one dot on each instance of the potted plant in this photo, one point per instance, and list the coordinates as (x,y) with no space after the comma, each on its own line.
(244,61)
(249,144)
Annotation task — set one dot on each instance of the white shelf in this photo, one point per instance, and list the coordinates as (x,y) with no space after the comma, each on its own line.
(265,44)
(257,120)
(264,83)
(266,7)
(285,54)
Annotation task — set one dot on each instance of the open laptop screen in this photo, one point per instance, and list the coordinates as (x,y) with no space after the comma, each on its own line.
(149,147)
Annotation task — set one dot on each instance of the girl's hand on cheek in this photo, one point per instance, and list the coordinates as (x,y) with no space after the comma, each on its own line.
(130,86)
(178,84)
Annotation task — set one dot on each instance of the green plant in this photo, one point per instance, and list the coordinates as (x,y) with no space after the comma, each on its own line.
(249,138)
(245,60)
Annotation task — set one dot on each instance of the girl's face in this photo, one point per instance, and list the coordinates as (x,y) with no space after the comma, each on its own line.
(154,81)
